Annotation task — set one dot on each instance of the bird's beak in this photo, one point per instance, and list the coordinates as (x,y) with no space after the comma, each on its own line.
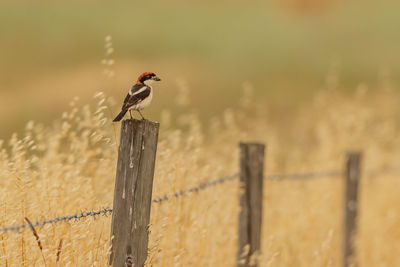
(156,79)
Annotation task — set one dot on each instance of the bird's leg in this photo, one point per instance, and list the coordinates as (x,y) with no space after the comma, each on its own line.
(141,114)
(130,113)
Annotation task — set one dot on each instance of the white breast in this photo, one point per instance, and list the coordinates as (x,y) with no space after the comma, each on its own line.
(145,102)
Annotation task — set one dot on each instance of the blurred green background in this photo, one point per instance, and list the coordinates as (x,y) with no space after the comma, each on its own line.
(287,49)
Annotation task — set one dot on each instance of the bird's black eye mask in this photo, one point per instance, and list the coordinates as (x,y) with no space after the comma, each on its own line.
(147,77)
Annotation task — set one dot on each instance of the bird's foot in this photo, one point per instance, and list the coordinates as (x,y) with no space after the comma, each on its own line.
(141,115)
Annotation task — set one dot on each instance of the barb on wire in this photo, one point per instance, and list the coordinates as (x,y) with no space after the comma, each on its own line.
(200,187)
(76,217)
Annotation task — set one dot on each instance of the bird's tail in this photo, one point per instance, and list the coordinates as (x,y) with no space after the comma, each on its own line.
(120,115)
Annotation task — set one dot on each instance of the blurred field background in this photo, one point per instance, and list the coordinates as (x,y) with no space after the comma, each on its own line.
(51,51)
(310,78)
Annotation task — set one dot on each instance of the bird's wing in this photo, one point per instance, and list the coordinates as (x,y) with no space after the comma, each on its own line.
(136,95)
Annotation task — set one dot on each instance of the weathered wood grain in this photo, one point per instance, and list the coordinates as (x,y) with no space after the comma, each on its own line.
(250,216)
(132,192)
(352,178)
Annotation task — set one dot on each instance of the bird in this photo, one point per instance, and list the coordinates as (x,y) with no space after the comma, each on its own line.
(139,96)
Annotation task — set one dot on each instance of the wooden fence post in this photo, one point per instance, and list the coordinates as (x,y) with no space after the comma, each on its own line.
(352,177)
(250,217)
(132,192)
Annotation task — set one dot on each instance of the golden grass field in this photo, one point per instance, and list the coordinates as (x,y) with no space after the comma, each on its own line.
(70,166)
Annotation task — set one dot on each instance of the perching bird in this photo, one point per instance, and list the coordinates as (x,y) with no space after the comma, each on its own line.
(139,96)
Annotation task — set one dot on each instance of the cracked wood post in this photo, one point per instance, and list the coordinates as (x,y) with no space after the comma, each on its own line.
(250,216)
(132,192)
(352,178)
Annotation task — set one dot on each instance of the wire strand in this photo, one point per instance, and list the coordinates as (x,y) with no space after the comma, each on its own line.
(76,217)
(107,211)
(198,188)
(306,175)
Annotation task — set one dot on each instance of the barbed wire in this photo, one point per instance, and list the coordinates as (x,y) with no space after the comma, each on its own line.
(386,170)
(107,211)
(331,173)
(200,187)
(321,174)
(76,217)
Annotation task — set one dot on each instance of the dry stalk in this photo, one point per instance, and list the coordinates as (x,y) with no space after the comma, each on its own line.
(59,250)
(4,250)
(37,238)
(23,250)
(23,256)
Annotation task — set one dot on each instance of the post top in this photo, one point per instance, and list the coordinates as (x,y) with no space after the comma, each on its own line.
(136,121)
(251,144)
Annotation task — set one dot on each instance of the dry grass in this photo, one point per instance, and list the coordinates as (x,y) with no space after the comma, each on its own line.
(70,166)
